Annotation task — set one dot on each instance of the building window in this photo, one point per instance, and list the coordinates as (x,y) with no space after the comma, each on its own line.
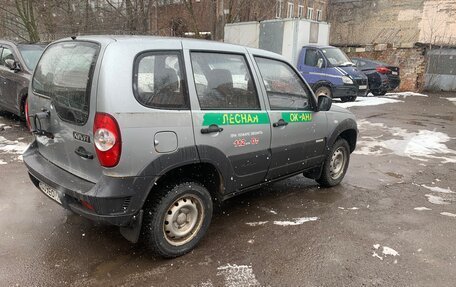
(319,13)
(310,12)
(279,5)
(300,11)
(290,11)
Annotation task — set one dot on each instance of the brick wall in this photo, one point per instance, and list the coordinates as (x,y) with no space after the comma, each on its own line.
(411,61)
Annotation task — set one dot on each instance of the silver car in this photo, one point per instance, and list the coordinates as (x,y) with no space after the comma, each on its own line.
(146,133)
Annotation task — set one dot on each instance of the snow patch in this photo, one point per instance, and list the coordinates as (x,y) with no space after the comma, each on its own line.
(389,251)
(422,208)
(448,214)
(12,147)
(438,189)
(404,95)
(2,162)
(453,100)
(296,221)
(436,199)
(238,275)
(422,145)
(256,223)
(367,101)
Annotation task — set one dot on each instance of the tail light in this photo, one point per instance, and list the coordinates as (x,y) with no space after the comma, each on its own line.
(383,70)
(27,116)
(107,140)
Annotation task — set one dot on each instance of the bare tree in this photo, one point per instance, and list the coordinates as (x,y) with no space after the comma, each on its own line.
(21,19)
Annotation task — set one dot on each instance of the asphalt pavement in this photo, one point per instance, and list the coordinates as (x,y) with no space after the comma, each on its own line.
(390,223)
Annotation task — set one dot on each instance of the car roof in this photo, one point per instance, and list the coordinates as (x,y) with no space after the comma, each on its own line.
(151,39)
(14,43)
(370,61)
(318,46)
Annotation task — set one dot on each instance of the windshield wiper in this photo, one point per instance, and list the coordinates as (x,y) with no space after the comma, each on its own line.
(347,64)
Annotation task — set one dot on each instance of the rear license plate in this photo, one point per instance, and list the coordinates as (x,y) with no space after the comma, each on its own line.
(363,87)
(394,73)
(49,191)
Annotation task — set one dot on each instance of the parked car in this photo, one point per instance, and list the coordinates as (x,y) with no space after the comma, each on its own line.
(17,62)
(382,77)
(145,133)
(331,73)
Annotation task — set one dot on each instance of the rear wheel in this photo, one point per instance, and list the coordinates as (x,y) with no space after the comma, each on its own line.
(336,164)
(176,219)
(323,91)
(378,93)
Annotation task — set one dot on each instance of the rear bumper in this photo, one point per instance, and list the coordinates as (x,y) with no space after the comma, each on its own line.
(115,200)
(348,91)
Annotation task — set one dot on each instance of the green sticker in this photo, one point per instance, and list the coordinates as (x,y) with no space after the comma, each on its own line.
(298,117)
(231,119)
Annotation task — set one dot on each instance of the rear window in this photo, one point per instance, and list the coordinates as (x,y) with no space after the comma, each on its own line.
(64,74)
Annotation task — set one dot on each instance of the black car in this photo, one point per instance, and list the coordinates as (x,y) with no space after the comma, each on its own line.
(17,62)
(382,77)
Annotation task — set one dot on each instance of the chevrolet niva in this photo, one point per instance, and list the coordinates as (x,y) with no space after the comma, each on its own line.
(147,133)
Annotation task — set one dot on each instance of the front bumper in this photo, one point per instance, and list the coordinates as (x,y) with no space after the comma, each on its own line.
(348,91)
(115,200)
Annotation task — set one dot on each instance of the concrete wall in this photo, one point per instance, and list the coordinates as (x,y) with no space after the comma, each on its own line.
(399,23)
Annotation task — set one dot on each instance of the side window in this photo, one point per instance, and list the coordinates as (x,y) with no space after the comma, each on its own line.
(7,54)
(314,58)
(223,82)
(285,89)
(158,81)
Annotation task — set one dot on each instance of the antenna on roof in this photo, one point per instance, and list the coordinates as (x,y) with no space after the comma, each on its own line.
(73,37)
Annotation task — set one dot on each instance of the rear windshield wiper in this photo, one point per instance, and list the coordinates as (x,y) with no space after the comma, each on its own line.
(38,130)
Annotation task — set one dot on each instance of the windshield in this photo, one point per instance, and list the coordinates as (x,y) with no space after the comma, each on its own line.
(31,54)
(336,57)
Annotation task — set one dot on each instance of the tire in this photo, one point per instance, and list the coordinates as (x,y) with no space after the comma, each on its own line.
(378,93)
(323,90)
(187,204)
(332,176)
(348,99)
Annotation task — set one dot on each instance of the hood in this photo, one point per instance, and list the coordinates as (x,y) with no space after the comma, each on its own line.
(354,72)
(337,109)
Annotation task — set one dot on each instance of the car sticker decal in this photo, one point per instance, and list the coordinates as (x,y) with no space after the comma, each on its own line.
(229,119)
(297,117)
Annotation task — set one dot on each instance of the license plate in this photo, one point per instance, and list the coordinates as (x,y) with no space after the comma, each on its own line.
(363,87)
(49,191)
(394,73)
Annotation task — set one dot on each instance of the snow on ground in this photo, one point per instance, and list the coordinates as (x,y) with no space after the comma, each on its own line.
(12,147)
(438,189)
(386,251)
(367,101)
(453,100)
(422,208)
(404,95)
(436,199)
(258,223)
(295,221)
(448,214)
(238,275)
(422,145)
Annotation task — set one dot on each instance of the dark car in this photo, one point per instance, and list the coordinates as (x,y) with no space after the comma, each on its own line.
(382,77)
(17,62)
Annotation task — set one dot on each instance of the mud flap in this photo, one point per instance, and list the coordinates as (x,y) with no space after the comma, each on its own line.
(132,232)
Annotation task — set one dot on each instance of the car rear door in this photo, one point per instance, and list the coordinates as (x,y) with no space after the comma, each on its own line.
(298,132)
(8,79)
(62,106)
(231,125)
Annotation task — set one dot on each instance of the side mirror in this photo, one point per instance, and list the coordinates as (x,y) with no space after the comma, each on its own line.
(324,103)
(320,63)
(12,65)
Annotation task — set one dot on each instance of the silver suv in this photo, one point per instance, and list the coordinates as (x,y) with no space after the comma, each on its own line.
(146,133)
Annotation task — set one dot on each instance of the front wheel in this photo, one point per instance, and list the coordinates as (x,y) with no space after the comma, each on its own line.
(336,164)
(323,91)
(176,219)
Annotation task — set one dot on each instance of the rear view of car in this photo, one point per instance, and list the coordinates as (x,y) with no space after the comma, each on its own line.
(382,77)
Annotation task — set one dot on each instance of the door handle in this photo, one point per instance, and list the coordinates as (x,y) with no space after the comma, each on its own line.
(211,129)
(280,123)
(80,151)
